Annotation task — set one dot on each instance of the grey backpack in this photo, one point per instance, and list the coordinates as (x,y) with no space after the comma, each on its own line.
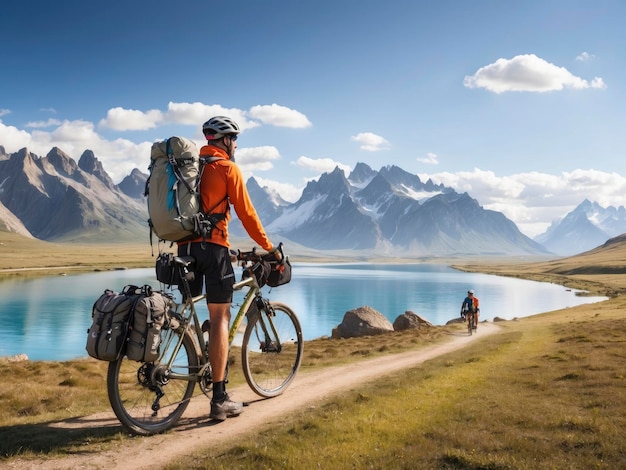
(173,190)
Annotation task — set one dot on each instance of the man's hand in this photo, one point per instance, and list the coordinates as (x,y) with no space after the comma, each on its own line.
(277,251)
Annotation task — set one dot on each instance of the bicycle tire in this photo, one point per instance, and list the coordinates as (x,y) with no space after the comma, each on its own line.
(268,367)
(133,388)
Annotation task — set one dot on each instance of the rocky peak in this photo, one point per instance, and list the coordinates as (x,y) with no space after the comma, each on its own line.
(362,173)
(61,162)
(134,185)
(90,164)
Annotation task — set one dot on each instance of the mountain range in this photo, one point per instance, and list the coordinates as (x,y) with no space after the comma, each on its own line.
(384,212)
(589,225)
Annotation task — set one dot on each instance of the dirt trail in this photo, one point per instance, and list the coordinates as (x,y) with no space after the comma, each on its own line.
(194,430)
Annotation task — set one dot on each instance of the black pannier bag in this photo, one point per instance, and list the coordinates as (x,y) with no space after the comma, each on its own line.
(280,272)
(260,269)
(111,315)
(166,271)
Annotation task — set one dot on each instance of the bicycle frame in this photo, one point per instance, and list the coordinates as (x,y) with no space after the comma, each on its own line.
(190,320)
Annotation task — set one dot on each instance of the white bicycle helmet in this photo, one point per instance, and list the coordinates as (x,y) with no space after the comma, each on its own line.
(219,126)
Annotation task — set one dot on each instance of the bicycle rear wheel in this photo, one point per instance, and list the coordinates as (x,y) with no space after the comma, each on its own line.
(143,396)
(272,350)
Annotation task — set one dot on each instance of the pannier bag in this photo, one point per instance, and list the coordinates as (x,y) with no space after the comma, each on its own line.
(280,272)
(260,269)
(111,314)
(150,317)
(166,271)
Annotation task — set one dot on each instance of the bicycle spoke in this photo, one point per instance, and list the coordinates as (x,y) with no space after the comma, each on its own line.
(144,397)
(272,350)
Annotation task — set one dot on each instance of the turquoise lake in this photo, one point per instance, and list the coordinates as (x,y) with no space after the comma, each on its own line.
(47,318)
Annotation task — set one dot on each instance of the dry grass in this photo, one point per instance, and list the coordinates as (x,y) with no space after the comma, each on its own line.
(546,393)
(27,257)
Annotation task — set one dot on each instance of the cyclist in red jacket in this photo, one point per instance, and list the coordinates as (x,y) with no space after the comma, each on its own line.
(470,306)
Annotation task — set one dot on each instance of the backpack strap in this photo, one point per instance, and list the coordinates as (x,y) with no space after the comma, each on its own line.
(176,169)
(206,221)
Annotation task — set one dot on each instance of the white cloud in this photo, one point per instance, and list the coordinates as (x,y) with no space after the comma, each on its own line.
(287,191)
(256,158)
(533,200)
(121,119)
(584,56)
(429,159)
(279,116)
(597,82)
(371,142)
(321,165)
(48,123)
(194,114)
(527,73)
(4,112)
(13,139)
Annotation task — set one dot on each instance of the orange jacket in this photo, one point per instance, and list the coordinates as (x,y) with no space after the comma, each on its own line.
(222,184)
(473,304)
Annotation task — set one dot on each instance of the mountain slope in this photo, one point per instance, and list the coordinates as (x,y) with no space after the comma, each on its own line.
(58,200)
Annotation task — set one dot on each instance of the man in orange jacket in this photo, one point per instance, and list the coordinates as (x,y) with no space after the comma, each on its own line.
(471,306)
(222,185)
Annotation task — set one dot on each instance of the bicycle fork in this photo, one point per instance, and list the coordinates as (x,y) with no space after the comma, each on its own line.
(267,345)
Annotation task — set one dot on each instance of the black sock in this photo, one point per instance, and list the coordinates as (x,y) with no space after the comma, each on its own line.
(219,391)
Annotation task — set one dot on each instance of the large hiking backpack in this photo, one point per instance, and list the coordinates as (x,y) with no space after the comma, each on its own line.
(173,191)
(111,315)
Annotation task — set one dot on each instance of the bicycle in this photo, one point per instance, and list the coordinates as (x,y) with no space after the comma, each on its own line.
(149,398)
(471,322)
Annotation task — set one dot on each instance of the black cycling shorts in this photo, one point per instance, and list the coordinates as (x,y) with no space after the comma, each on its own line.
(212,265)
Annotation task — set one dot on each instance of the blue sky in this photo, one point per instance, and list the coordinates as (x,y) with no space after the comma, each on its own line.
(519,103)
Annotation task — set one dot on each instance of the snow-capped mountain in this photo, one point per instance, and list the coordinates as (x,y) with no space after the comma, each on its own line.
(589,225)
(392,211)
(389,211)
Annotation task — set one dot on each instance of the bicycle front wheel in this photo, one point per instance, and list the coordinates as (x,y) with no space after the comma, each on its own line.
(272,349)
(144,396)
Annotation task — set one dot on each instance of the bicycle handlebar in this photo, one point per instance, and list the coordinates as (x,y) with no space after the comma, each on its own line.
(253,256)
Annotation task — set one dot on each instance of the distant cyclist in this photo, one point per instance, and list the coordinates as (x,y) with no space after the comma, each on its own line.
(470,306)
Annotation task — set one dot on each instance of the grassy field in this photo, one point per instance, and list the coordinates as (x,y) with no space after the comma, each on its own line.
(547,392)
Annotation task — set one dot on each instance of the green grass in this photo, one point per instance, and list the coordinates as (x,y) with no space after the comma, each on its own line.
(535,396)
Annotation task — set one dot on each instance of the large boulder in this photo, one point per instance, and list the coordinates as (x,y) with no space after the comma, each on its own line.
(409,320)
(362,321)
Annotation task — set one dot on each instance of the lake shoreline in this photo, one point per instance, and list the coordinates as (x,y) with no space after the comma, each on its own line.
(430,290)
